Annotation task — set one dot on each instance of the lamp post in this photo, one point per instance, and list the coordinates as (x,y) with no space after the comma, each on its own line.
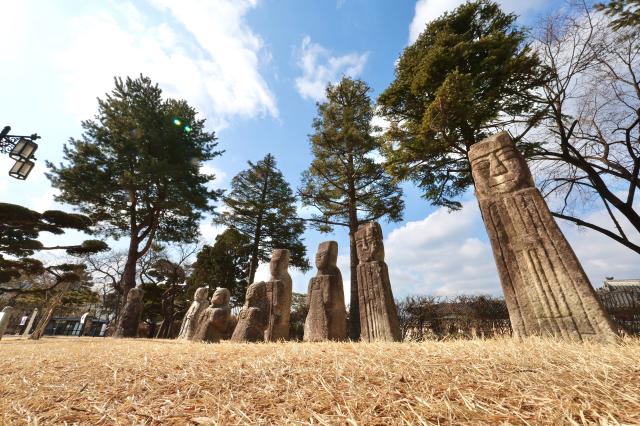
(21,149)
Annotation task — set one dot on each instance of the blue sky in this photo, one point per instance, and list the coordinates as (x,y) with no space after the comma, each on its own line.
(254,69)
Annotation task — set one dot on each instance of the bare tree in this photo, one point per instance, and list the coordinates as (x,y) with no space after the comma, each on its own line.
(589,153)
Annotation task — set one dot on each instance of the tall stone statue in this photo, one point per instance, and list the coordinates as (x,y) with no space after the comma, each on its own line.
(5,317)
(130,315)
(193,315)
(279,295)
(215,318)
(253,317)
(546,290)
(32,318)
(378,312)
(327,317)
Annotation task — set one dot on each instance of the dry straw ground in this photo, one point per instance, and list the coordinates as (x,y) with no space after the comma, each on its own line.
(106,381)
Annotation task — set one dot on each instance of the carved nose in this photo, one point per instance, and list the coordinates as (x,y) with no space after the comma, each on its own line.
(497,168)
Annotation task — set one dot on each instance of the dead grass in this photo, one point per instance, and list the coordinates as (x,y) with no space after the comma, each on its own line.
(107,381)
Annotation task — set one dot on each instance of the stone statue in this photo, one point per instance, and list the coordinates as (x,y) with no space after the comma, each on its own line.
(32,318)
(546,290)
(279,295)
(193,315)
(327,317)
(378,312)
(253,317)
(5,317)
(215,319)
(88,323)
(130,315)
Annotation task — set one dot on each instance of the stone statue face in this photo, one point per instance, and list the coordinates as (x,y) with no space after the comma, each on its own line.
(498,167)
(255,294)
(135,294)
(220,297)
(201,294)
(327,255)
(369,243)
(279,262)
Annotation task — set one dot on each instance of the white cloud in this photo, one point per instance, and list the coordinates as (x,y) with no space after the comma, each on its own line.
(319,67)
(203,52)
(447,253)
(209,231)
(220,175)
(428,10)
(442,254)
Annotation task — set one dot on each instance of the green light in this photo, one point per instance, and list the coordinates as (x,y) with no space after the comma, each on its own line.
(187,129)
(177,122)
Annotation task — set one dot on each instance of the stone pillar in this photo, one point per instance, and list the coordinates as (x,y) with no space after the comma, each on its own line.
(5,317)
(30,322)
(327,317)
(253,317)
(215,319)
(88,322)
(193,315)
(546,290)
(378,312)
(279,294)
(130,315)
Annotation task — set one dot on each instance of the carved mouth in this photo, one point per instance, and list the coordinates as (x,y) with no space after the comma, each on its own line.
(500,180)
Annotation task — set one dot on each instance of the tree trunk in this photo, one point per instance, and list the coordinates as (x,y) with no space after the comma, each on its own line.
(167,315)
(354,305)
(127,282)
(253,263)
(54,304)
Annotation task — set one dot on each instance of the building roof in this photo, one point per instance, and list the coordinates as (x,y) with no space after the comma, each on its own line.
(619,299)
(621,285)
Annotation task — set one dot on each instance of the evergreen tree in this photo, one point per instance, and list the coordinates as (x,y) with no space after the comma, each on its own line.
(469,74)
(262,207)
(223,265)
(344,183)
(20,229)
(136,170)
(625,13)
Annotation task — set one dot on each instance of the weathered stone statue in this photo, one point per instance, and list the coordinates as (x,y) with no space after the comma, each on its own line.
(130,316)
(279,295)
(378,312)
(215,319)
(253,317)
(193,315)
(327,317)
(5,317)
(546,290)
(32,318)
(88,322)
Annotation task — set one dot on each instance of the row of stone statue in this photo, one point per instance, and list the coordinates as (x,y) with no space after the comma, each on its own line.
(265,314)
(546,290)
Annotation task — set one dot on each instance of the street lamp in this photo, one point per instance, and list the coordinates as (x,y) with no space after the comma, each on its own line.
(21,149)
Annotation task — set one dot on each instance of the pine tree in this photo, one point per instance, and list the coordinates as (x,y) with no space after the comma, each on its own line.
(136,170)
(262,207)
(625,13)
(344,182)
(20,229)
(469,74)
(223,265)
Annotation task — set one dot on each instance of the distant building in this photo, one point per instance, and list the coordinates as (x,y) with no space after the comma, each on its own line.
(71,326)
(621,299)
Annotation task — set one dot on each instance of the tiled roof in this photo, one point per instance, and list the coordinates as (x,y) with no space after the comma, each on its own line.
(614,285)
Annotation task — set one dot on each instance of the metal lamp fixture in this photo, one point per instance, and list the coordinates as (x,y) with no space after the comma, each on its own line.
(21,149)
(21,169)
(24,149)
